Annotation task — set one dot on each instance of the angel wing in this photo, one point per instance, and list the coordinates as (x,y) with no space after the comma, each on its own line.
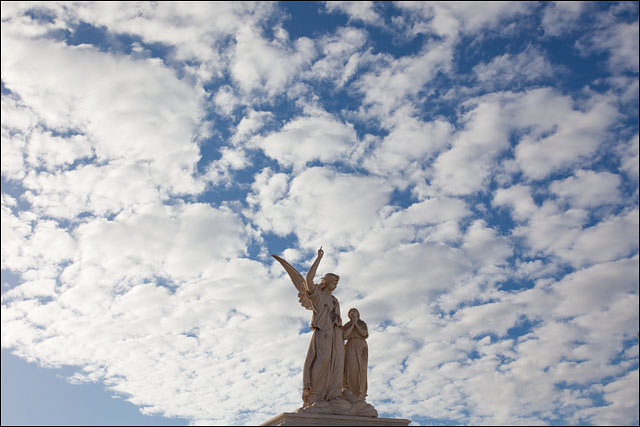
(298,282)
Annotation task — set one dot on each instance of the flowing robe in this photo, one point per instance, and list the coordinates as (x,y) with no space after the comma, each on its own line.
(324,364)
(355,361)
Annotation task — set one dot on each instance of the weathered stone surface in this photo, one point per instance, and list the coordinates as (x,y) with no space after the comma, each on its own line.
(324,365)
(358,408)
(334,378)
(304,419)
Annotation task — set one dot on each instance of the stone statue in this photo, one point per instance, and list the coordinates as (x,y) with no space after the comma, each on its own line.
(324,373)
(324,364)
(356,355)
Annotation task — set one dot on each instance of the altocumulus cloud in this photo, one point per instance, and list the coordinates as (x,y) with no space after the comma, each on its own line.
(470,169)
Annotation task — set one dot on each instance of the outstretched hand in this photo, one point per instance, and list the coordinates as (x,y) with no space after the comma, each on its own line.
(320,252)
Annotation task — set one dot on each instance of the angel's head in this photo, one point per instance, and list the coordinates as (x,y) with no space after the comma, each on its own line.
(329,281)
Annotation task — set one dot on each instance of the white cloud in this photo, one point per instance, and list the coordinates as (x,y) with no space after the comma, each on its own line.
(225,100)
(194,32)
(620,395)
(258,64)
(99,190)
(17,20)
(393,81)
(596,288)
(450,19)
(430,211)
(527,66)
(48,151)
(432,221)
(555,350)
(620,41)
(609,239)
(250,124)
(18,121)
(137,341)
(550,229)
(341,55)
(561,16)
(442,370)
(485,246)
(466,167)
(398,282)
(319,206)
(410,143)
(588,188)
(12,154)
(32,290)
(220,171)
(356,10)
(517,197)
(29,243)
(562,135)
(314,137)
(555,136)
(630,158)
(184,241)
(138,107)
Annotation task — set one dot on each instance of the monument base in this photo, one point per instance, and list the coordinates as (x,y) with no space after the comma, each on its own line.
(295,419)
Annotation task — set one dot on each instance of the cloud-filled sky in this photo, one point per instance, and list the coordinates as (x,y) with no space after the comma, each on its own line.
(470,169)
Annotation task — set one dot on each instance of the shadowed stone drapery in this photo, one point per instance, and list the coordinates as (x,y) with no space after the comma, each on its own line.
(324,365)
(356,356)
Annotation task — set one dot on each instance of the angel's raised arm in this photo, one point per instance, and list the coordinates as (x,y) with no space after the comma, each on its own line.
(312,271)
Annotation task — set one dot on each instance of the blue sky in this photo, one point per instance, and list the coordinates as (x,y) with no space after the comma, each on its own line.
(470,169)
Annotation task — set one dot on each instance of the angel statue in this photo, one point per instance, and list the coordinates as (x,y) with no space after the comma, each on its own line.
(324,365)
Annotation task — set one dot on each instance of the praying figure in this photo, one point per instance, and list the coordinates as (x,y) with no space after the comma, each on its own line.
(356,355)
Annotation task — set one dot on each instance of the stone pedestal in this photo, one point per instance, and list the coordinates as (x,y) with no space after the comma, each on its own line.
(294,419)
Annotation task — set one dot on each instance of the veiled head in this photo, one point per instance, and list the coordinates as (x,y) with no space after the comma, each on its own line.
(329,281)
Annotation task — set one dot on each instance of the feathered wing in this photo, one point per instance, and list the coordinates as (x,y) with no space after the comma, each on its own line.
(298,282)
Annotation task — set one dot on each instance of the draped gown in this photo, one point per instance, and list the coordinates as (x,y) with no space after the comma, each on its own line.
(324,364)
(355,360)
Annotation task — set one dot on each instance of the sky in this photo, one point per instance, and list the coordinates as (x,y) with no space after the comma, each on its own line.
(470,170)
